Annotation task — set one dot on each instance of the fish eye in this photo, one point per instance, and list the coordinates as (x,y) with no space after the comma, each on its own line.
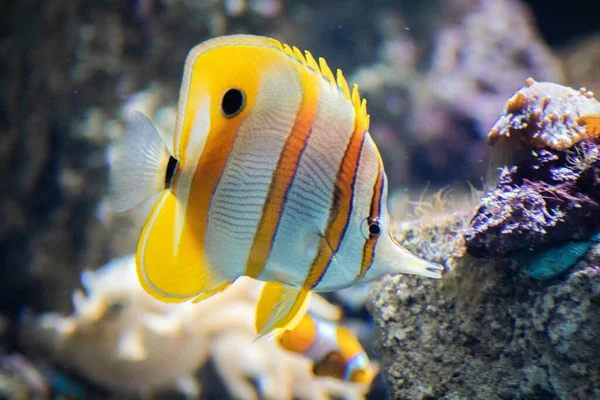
(232,102)
(371,227)
(374,228)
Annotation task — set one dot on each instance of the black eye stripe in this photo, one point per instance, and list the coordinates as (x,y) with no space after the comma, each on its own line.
(232,102)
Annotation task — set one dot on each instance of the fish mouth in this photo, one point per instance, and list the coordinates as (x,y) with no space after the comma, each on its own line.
(437,268)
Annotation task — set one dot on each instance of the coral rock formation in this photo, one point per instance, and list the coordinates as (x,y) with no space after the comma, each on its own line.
(548,189)
(545,115)
(485,330)
(489,328)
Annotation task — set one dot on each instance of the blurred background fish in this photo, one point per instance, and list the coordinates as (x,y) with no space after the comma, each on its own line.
(333,348)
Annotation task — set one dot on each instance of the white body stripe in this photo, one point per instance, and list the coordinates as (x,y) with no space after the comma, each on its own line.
(325,341)
(306,211)
(200,129)
(237,204)
(350,254)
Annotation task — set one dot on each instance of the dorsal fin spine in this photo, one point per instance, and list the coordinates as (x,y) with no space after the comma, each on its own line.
(276,43)
(355,97)
(342,84)
(298,55)
(326,72)
(288,50)
(311,62)
(360,105)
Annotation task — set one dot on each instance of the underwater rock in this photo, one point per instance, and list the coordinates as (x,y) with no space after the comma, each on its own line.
(122,339)
(428,227)
(486,331)
(547,151)
(546,115)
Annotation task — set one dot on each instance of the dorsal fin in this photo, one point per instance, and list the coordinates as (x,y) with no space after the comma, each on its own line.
(321,67)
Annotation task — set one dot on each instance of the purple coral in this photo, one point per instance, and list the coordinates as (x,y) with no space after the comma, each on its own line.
(521,212)
(549,184)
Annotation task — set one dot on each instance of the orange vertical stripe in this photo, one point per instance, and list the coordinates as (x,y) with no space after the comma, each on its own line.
(208,173)
(348,344)
(206,77)
(375,212)
(283,176)
(341,209)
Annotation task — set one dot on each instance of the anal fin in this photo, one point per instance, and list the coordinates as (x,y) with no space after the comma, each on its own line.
(280,308)
(212,292)
(170,261)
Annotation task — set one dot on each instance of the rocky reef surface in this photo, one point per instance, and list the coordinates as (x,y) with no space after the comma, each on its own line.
(504,336)
(545,151)
(516,315)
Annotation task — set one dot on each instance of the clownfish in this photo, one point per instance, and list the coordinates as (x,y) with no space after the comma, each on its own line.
(271,173)
(334,350)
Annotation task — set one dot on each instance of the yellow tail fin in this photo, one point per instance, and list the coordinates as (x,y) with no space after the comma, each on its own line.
(280,308)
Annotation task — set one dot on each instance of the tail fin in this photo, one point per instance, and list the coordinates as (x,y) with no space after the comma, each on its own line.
(138,164)
(280,308)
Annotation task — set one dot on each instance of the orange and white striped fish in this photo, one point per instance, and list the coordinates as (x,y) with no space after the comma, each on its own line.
(271,174)
(334,350)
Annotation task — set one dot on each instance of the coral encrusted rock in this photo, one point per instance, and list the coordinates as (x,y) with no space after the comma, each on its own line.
(488,331)
(547,152)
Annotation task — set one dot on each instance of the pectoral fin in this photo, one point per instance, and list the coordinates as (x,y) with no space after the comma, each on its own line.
(170,262)
(280,308)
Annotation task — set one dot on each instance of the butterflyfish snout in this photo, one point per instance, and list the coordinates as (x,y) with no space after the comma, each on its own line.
(270,173)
